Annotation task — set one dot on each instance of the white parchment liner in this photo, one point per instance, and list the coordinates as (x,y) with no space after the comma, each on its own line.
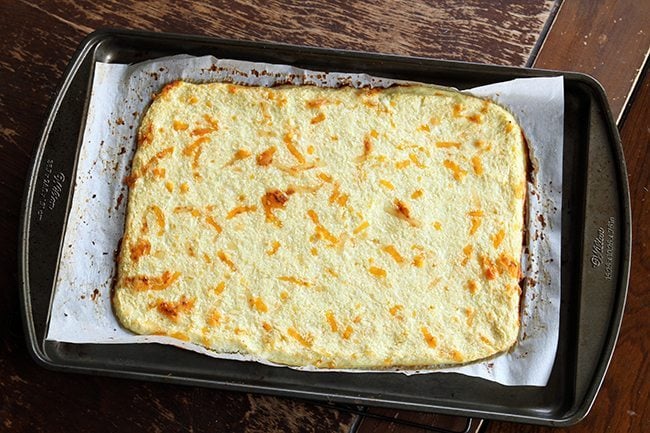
(81,309)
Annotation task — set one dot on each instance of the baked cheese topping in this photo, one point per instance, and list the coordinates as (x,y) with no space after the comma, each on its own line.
(338,228)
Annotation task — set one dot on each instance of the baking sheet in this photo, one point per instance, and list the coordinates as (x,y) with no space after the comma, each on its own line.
(81,310)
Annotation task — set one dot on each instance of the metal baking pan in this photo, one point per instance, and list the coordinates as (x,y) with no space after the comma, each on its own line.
(595,245)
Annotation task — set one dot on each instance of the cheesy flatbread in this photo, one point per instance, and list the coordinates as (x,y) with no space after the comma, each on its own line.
(336,228)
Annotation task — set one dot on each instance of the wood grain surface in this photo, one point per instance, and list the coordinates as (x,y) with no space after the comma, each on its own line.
(411,422)
(607,39)
(499,31)
(38,37)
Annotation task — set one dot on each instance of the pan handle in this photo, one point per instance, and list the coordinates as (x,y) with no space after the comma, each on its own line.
(606,248)
(48,195)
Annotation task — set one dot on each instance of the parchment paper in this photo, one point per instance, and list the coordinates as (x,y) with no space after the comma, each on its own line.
(81,309)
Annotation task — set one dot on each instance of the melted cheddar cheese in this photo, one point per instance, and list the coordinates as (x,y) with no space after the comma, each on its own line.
(347,228)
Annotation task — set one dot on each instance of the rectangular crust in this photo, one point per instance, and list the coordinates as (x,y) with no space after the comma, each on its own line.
(336,228)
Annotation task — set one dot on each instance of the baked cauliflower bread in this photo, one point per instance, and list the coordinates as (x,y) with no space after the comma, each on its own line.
(336,228)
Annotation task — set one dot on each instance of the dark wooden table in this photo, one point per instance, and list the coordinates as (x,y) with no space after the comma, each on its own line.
(606,38)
